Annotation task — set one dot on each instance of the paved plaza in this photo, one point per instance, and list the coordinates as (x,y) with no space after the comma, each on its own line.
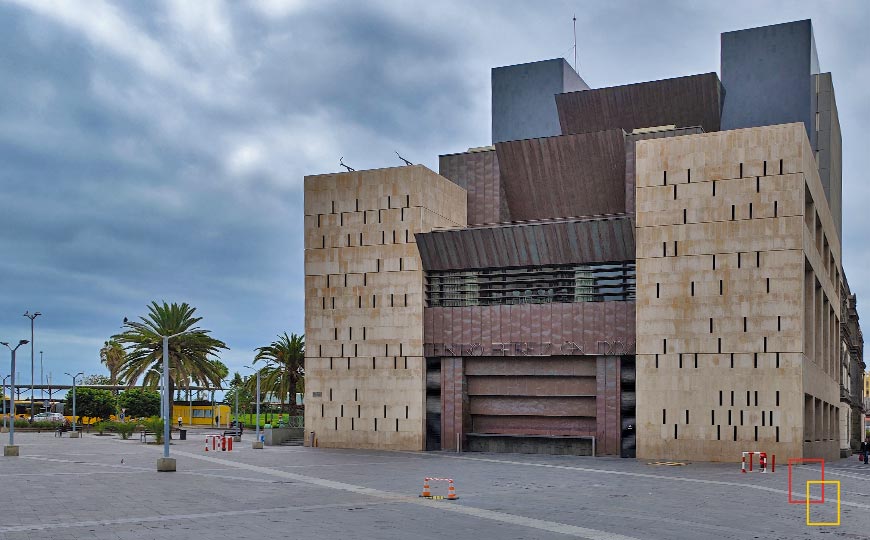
(106,488)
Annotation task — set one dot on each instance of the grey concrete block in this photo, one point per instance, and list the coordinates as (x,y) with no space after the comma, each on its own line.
(166,465)
(10,451)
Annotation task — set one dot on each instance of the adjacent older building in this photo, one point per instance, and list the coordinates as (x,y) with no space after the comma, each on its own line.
(651,269)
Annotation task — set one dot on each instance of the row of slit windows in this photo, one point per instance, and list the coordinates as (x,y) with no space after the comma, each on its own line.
(390,198)
(692,358)
(689,174)
(733,432)
(719,351)
(377,427)
(733,208)
(391,300)
(721,287)
(357,239)
(345,361)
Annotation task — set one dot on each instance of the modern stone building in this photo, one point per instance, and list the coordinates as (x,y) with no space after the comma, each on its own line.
(650,269)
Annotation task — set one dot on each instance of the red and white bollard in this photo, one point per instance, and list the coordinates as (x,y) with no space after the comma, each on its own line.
(762,462)
(229,444)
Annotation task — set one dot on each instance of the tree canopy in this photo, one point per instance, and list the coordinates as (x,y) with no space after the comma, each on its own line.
(285,363)
(140,402)
(192,354)
(92,402)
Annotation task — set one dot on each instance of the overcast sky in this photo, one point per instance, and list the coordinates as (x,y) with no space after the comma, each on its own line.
(156,150)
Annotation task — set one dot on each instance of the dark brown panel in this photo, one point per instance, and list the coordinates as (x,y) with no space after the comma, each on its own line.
(695,100)
(565,176)
(570,241)
(531,386)
(531,406)
(562,367)
(478,173)
(593,327)
(534,425)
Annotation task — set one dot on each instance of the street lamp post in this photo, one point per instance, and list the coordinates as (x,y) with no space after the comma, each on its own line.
(32,317)
(189,402)
(41,379)
(4,400)
(257,444)
(79,374)
(12,450)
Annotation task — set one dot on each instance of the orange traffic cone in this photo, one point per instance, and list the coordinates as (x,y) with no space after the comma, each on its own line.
(451,492)
(426,492)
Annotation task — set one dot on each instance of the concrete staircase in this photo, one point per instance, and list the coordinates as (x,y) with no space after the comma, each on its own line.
(294,441)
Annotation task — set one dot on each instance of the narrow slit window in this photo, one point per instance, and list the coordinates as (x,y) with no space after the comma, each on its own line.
(741,417)
(657,361)
(720,287)
(729,417)
(758,259)
(777,398)
(732,366)
(732,399)
(735,433)
(406,411)
(664,249)
(765,168)
(664,416)
(681,360)
(711,325)
(780,166)
(687,416)
(748,395)
(719,340)
(684,216)
(714,261)
(741,170)
(675,192)
(739,259)
(696,360)
(779,323)
(397,425)
(693,289)
(755,360)
(757,186)
(665,178)
(712,417)
(756,433)
(322,409)
(714,188)
(756,398)
(658,290)
(777,433)
(732,212)
(777,361)
(720,398)
(744,324)
(775,208)
(665,346)
(718,433)
(768,285)
(689,176)
(765,344)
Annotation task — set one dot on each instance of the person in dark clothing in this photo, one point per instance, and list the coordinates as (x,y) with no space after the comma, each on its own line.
(865,449)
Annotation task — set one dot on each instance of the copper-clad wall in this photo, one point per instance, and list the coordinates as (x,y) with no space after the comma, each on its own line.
(596,328)
(565,176)
(695,100)
(529,244)
(478,173)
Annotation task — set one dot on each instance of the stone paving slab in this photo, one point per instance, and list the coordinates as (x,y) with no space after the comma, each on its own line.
(103,487)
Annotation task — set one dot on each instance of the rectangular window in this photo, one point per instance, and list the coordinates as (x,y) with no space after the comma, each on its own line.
(741,417)
(665,346)
(729,417)
(777,433)
(780,166)
(712,417)
(732,212)
(775,208)
(732,398)
(658,290)
(664,416)
(684,216)
(735,433)
(675,192)
(720,287)
(765,168)
(675,431)
(718,433)
(755,360)
(750,210)
(711,325)
(779,323)
(777,359)
(681,360)
(741,170)
(768,285)
(719,340)
(756,398)
(687,416)
(777,398)
(696,360)
(665,177)
(689,176)
(748,395)
(693,289)
(732,365)
(757,188)
(714,261)
(720,398)
(756,433)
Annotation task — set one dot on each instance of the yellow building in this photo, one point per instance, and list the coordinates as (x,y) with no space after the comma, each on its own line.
(201,415)
(867,385)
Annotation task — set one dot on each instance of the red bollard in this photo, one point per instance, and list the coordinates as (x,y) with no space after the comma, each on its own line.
(214,443)
(229,444)
(223,444)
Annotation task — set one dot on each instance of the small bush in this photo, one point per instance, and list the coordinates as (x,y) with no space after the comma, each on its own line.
(155,425)
(125,429)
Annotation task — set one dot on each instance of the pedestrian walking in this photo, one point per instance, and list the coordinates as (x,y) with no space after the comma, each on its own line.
(865,449)
(179,421)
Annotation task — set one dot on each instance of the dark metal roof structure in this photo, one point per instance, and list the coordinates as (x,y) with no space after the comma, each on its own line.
(568,241)
(695,100)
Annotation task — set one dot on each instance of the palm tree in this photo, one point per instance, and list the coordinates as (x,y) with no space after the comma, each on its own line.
(285,362)
(192,354)
(113,356)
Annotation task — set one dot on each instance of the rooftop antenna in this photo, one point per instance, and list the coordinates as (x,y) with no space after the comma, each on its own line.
(403,159)
(575,45)
(348,167)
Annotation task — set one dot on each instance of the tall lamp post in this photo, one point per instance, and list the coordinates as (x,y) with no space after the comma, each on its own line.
(166,464)
(32,317)
(41,379)
(74,377)
(257,444)
(4,400)
(11,450)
